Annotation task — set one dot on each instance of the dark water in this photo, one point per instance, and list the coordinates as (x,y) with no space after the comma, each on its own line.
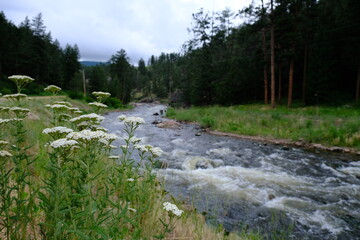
(248,185)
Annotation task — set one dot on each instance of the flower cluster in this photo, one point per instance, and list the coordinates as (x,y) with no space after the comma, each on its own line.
(101,96)
(58,107)
(20,81)
(63,143)
(16,96)
(57,130)
(172,208)
(21,78)
(64,103)
(88,136)
(135,140)
(3,143)
(20,112)
(131,120)
(98,104)
(92,117)
(4,154)
(4,109)
(10,120)
(155,151)
(52,89)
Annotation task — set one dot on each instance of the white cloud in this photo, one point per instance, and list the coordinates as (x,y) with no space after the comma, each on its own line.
(101,28)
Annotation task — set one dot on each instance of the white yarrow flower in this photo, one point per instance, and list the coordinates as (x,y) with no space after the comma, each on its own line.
(122,117)
(58,129)
(172,208)
(4,153)
(97,104)
(15,96)
(63,143)
(10,120)
(3,143)
(86,135)
(19,110)
(102,94)
(134,120)
(63,103)
(141,148)
(52,89)
(60,107)
(156,151)
(93,117)
(22,78)
(135,140)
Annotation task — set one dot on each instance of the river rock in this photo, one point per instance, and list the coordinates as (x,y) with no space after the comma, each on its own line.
(169,124)
(156,121)
(271,196)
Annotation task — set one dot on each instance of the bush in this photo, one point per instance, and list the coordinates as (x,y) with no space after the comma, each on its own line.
(207,121)
(114,102)
(75,95)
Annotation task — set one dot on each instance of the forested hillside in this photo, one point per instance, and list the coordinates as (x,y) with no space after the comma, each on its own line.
(28,49)
(305,51)
(314,57)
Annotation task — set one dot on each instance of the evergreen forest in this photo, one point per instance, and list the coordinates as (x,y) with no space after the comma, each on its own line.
(285,52)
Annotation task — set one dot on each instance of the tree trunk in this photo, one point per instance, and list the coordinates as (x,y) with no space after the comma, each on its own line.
(279,91)
(358,84)
(265,69)
(272,59)
(291,80)
(305,70)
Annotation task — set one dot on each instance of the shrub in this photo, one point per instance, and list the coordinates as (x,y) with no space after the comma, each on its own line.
(75,95)
(114,102)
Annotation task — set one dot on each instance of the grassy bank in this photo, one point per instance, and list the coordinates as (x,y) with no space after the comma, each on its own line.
(332,126)
(58,192)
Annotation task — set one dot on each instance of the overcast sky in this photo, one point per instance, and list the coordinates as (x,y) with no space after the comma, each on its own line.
(100,28)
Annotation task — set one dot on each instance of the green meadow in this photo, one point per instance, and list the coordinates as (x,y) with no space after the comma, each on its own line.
(331,126)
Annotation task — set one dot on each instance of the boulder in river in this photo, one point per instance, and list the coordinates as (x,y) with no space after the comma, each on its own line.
(169,124)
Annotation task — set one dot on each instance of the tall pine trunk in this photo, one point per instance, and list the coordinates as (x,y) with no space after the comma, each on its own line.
(358,84)
(272,58)
(305,70)
(280,77)
(291,81)
(265,69)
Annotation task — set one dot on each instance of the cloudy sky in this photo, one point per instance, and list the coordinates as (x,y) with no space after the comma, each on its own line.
(100,28)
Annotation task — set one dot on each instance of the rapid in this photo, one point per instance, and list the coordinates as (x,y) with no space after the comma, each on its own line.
(245,185)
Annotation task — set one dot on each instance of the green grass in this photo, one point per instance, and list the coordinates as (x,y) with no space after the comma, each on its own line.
(332,126)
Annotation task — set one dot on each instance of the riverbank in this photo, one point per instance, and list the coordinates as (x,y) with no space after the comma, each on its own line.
(335,129)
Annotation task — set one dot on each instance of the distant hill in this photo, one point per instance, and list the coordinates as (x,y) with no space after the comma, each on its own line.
(91,63)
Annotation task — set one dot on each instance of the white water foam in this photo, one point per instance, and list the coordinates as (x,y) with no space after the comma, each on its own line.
(250,184)
(334,171)
(355,171)
(309,215)
(355,163)
(220,152)
(193,162)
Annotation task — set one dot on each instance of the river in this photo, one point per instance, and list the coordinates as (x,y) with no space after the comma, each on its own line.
(245,185)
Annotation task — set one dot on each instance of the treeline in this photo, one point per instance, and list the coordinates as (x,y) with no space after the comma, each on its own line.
(314,56)
(306,51)
(28,49)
